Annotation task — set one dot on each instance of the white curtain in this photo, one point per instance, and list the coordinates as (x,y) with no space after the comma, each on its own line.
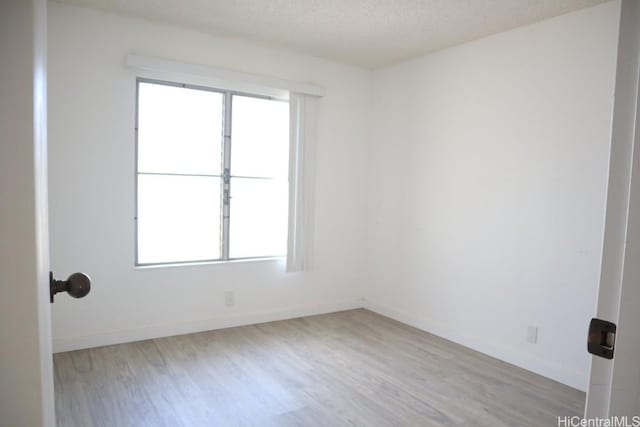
(301,181)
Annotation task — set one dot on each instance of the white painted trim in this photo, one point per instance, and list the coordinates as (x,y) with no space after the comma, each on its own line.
(219,322)
(223,78)
(562,374)
(611,390)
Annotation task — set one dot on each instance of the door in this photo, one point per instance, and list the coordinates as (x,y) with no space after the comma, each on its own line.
(614,383)
(26,378)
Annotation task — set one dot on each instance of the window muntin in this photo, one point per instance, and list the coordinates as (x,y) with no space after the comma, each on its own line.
(212,173)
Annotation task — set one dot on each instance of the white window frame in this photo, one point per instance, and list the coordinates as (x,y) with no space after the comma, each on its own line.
(225,193)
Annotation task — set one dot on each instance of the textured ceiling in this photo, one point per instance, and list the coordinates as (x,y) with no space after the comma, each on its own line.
(369,33)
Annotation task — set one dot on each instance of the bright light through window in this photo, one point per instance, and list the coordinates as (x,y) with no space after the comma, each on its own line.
(259,165)
(203,195)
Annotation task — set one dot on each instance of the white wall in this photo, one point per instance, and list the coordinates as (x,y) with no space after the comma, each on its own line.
(92,99)
(26,366)
(487,179)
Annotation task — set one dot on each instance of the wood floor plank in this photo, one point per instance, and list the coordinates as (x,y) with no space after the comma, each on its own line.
(343,369)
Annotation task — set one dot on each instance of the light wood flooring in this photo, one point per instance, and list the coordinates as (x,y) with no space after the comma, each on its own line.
(341,369)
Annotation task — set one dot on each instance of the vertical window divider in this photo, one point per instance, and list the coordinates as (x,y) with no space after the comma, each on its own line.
(137,175)
(226,176)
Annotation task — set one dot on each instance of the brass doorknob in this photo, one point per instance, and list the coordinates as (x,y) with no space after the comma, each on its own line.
(77,285)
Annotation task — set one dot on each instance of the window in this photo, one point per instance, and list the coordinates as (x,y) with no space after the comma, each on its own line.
(212,174)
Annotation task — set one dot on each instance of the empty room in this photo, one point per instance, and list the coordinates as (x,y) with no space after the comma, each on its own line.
(319,213)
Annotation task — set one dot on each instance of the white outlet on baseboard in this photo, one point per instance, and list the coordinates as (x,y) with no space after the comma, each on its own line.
(229,298)
(532,334)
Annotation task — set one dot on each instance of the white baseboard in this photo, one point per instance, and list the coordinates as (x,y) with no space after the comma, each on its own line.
(218,322)
(558,373)
(562,374)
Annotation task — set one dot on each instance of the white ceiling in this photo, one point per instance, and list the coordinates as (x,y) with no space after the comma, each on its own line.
(369,33)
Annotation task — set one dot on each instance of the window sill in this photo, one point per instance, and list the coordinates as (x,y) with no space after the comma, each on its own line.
(204,263)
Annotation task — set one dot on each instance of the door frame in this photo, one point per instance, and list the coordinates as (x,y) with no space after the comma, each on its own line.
(613,388)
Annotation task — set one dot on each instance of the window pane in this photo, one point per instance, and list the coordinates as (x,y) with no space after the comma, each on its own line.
(178,218)
(179,130)
(259,137)
(258,223)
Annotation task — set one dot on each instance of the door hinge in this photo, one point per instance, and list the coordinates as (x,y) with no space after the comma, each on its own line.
(602,338)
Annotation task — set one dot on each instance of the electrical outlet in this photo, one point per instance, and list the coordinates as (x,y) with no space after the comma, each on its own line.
(532,334)
(229,298)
